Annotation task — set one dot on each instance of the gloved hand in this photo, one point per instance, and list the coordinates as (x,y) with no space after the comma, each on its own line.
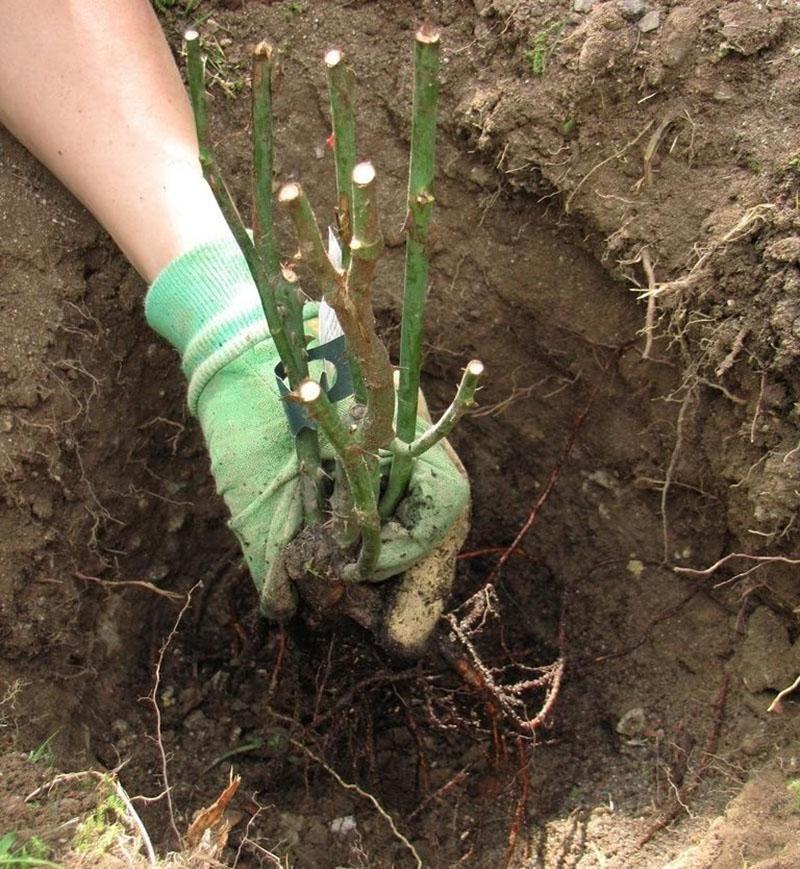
(206,305)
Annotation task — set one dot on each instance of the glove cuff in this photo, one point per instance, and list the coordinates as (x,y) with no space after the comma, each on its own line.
(206,305)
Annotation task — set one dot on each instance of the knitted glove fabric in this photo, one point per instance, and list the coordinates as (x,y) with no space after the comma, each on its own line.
(207,306)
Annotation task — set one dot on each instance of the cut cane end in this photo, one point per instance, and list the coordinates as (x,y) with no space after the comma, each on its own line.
(263,51)
(428,34)
(475,367)
(191,36)
(309,391)
(290,192)
(364,174)
(333,58)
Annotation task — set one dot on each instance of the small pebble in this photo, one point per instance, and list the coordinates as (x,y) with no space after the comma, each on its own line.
(633,723)
(583,5)
(632,9)
(42,507)
(344,825)
(650,21)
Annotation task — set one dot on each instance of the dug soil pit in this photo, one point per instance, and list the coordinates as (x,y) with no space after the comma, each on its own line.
(617,238)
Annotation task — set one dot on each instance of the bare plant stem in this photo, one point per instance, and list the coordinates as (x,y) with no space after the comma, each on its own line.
(289,304)
(312,251)
(284,320)
(366,245)
(463,401)
(350,296)
(196,75)
(359,477)
(340,91)
(420,206)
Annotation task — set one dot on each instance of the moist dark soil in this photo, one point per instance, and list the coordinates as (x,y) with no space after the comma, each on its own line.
(617,238)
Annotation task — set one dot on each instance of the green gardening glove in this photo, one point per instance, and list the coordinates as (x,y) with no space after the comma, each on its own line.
(206,305)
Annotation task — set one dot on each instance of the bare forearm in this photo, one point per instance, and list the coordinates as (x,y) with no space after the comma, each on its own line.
(92,90)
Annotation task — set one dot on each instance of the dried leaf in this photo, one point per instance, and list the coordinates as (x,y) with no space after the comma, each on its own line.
(212,817)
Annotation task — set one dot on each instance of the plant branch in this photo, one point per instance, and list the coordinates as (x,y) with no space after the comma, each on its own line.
(196,76)
(340,91)
(420,206)
(359,478)
(463,401)
(287,297)
(350,296)
(312,250)
(366,245)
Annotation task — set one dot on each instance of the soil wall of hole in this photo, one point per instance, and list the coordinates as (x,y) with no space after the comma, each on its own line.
(550,186)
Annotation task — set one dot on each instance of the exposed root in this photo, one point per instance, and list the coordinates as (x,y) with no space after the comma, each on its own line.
(504,697)
(362,793)
(522,801)
(760,561)
(777,704)
(130,583)
(153,698)
(681,795)
(650,316)
(739,230)
(617,155)
(671,467)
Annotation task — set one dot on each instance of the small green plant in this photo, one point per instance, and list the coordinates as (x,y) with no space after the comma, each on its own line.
(543,45)
(794,164)
(15,854)
(292,9)
(98,834)
(43,751)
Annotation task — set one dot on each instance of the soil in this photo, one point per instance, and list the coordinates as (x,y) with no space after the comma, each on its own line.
(589,151)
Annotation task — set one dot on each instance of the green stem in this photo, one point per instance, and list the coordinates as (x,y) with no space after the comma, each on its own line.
(353,461)
(350,297)
(463,401)
(289,348)
(289,305)
(262,157)
(312,250)
(196,75)
(420,205)
(340,91)
(376,429)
